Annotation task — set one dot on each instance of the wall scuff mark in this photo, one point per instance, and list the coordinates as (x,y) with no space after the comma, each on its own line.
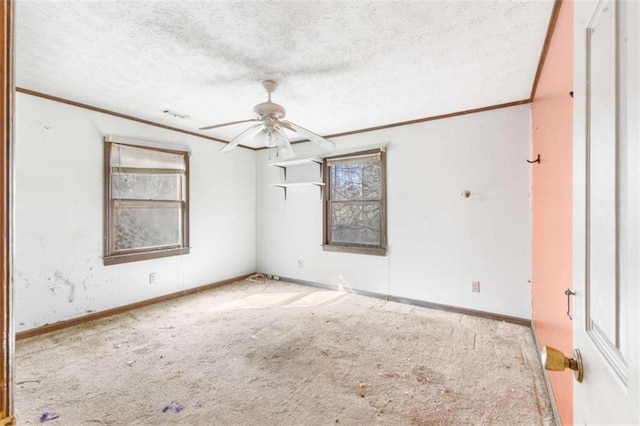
(65,281)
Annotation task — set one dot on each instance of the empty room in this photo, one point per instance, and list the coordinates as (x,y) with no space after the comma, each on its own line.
(320,212)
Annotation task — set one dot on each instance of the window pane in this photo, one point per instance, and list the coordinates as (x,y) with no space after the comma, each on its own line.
(358,181)
(146,186)
(355,222)
(140,224)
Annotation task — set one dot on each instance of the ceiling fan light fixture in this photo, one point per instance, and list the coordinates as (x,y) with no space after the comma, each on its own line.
(283,144)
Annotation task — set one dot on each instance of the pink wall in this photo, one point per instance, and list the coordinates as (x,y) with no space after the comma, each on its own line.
(552,120)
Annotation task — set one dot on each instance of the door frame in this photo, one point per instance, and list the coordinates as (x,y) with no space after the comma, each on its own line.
(6,111)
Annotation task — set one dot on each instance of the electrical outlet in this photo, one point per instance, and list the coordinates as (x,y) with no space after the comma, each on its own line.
(475,286)
(152,278)
(300,263)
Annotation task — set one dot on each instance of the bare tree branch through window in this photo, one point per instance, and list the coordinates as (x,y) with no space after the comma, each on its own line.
(355,204)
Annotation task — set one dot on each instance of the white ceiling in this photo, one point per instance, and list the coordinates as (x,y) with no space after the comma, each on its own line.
(341,65)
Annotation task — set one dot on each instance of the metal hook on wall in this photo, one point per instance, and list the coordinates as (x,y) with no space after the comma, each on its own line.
(569,293)
(537,160)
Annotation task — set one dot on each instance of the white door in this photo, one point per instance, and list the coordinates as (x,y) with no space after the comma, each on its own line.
(607,210)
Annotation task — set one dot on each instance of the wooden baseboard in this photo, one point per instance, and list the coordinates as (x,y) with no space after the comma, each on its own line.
(120,309)
(547,383)
(114,311)
(416,302)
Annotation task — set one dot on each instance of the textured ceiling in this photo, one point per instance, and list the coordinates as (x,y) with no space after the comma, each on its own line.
(341,65)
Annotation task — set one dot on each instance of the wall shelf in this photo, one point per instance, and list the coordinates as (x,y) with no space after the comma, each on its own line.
(284,165)
(297,162)
(285,186)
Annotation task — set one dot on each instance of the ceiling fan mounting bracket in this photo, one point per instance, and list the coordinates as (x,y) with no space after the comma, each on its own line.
(270,86)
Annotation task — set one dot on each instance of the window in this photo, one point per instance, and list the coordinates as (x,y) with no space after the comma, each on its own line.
(355,203)
(146,203)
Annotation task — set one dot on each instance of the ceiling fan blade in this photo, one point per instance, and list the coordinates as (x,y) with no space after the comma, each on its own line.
(263,138)
(317,139)
(285,150)
(227,124)
(247,135)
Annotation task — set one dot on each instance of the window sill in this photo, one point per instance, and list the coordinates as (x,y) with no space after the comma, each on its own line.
(135,257)
(373,251)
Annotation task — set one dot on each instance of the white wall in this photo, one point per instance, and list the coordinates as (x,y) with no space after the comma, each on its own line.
(58,215)
(438,242)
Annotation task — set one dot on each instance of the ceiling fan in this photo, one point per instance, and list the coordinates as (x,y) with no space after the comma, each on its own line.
(270,127)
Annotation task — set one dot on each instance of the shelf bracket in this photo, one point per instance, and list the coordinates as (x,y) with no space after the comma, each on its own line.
(284,188)
(284,170)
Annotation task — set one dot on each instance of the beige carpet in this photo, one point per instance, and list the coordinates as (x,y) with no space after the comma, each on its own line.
(277,354)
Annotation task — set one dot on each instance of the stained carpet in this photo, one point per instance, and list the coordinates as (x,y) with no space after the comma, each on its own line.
(282,354)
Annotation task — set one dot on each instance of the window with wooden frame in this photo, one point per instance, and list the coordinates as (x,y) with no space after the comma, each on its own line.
(146,199)
(355,203)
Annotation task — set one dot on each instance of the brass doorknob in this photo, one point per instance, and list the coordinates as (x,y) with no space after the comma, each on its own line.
(554,360)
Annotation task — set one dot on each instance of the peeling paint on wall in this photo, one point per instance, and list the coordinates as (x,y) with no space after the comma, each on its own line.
(58,249)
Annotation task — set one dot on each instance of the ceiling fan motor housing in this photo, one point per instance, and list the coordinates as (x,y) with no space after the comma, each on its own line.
(269,109)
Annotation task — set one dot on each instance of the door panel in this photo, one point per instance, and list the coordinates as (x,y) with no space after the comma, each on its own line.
(602,284)
(606,219)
